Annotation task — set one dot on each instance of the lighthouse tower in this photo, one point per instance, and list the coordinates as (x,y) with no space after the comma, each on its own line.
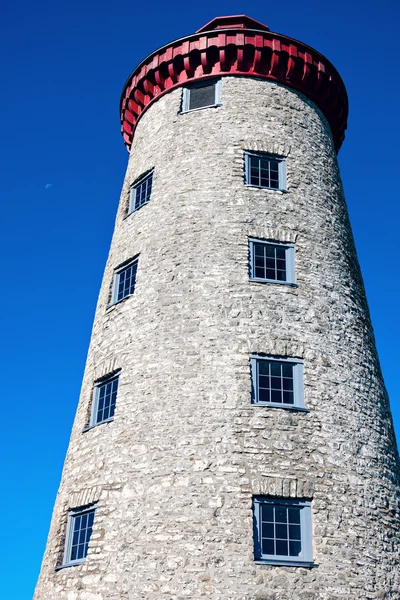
(233,438)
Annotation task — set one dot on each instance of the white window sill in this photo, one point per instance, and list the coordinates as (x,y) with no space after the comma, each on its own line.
(288,283)
(282,406)
(110,420)
(190,110)
(113,304)
(285,563)
(76,563)
(262,187)
(131,212)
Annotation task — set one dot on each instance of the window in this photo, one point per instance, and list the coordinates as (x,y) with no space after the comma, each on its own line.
(282,531)
(277,382)
(140,192)
(271,261)
(104,399)
(79,530)
(124,281)
(201,95)
(265,171)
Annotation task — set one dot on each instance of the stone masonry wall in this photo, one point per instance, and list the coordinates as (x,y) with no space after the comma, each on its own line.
(175,472)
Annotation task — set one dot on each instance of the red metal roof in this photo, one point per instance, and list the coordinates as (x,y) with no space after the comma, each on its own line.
(240,46)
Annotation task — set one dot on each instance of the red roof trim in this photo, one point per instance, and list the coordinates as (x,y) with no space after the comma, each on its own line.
(240,52)
(233,22)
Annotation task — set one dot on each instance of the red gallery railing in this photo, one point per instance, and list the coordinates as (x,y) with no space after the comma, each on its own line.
(236,46)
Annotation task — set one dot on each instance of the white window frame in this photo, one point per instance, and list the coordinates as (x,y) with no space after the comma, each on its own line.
(95,401)
(133,188)
(186,95)
(281,170)
(289,257)
(75,512)
(117,273)
(306,560)
(298,384)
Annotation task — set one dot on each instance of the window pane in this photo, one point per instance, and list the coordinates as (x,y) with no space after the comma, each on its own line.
(268,530)
(280,514)
(294,532)
(280,252)
(294,515)
(281,275)
(276,383)
(268,546)
(288,398)
(270,274)
(275,368)
(267,513)
(287,369)
(281,532)
(276,396)
(287,384)
(263,395)
(259,261)
(263,367)
(281,548)
(202,96)
(294,548)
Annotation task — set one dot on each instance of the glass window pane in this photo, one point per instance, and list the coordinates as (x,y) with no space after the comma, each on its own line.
(281,532)
(280,252)
(263,395)
(259,261)
(294,532)
(268,530)
(270,274)
(268,546)
(263,367)
(294,515)
(281,548)
(294,548)
(259,273)
(270,250)
(287,369)
(202,96)
(276,396)
(267,513)
(281,275)
(288,398)
(276,383)
(275,368)
(281,514)
(264,381)
(287,384)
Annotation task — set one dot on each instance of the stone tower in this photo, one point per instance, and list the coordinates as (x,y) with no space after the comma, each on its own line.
(233,438)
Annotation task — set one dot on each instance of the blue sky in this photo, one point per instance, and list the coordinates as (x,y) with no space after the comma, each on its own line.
(65,68)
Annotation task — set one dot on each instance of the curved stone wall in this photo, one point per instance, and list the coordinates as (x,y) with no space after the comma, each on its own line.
(174,474)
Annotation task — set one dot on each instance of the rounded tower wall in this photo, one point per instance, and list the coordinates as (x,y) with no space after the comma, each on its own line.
(175,472)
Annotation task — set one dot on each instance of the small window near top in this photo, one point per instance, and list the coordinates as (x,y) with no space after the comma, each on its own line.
(201,95)
(277,382)
(140,192)
(265,171)
(104,399)
(79,531)
(271,262)
(282,531)
(124,281)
